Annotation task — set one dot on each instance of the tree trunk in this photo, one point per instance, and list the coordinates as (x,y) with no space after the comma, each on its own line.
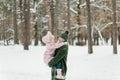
(78,18)
(52,16)
(21,8)
(119,39)
(16,41)
(27,24)
(56,18)
(90,49)
(114,27)
(4,35)
(36,34)
(79,13)
(68,22)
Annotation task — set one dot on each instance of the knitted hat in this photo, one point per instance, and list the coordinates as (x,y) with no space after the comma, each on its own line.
(64,35)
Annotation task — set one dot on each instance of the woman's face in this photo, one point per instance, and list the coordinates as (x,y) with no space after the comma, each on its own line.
(61,39)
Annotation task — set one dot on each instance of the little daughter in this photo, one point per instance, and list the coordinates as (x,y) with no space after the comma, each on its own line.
(51,46)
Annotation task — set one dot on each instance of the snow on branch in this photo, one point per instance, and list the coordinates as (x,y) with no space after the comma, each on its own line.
(84,4)
(35,7)
(19,21)
(99,32)
(10,30)
(73,11)
(102,7)
(108,25)
(106,8)
(78,26)
(105,26)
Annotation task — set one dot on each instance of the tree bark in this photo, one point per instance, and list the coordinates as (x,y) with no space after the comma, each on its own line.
(114,27)
(68,22)
(16,41)
(79,13)
(52,16)
(78,18)
(56,18)
(4,35)
(36,34)
(27,24)
(90,49)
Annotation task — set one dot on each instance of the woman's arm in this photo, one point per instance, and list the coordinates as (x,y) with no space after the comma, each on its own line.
(58,45)
(60,54)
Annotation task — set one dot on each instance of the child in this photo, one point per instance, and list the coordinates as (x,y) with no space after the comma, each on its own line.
(51,46)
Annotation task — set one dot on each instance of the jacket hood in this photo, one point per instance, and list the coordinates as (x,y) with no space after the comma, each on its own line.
(45,39)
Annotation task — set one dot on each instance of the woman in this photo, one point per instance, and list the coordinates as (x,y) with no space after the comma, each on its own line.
(51,46)
(60,56)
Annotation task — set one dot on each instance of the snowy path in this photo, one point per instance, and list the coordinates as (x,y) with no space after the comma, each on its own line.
(17,64)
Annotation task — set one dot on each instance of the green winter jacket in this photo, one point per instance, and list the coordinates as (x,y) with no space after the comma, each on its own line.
(60,55)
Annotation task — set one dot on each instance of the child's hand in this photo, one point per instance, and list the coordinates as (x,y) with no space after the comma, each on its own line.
(58,41)
(65,43)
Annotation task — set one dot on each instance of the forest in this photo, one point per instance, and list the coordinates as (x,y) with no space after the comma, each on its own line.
(89,22)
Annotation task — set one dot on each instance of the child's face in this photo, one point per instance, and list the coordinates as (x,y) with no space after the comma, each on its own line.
(52,39)
(61,39)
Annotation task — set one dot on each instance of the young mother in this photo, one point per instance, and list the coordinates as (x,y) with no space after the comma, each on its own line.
(60,56)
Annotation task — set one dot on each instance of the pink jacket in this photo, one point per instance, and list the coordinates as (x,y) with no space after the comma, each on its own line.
(50,49)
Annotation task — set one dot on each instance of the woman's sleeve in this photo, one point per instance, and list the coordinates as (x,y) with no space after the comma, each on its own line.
(58,57)
(57,45)
(44,39)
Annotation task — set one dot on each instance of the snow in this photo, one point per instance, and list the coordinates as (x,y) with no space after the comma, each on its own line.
(104,7)
(101,65)
(17,64)
(33,10)
(73,11)
(107,25)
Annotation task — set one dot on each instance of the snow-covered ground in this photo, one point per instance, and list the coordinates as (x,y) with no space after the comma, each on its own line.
(17,64)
